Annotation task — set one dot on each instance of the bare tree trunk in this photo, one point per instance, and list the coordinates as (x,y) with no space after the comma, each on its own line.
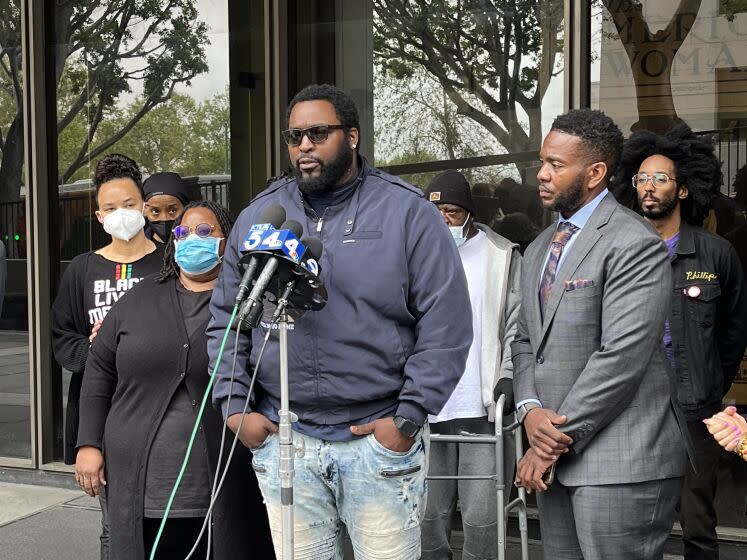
(11,167)
(651,57)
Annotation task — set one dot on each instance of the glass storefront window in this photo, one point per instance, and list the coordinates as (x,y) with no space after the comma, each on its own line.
(656,63)
(474,88)
(15,394)
(148,80)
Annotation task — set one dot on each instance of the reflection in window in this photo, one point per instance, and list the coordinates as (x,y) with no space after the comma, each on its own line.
(145,79)
(476,84)
(15,397)
(656,63)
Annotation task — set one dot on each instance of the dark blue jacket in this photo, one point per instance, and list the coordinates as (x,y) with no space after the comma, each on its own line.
(394,336)
(708,320)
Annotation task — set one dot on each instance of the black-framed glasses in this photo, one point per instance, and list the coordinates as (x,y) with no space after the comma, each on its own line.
(658,180)
(317,134)
(201,230)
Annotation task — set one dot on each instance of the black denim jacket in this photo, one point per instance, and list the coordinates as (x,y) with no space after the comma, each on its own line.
(708,319)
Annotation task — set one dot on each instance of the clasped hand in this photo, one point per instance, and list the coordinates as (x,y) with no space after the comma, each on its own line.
(727,427)
(547,444)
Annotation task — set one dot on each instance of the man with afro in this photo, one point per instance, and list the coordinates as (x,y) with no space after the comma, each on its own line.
(673,179)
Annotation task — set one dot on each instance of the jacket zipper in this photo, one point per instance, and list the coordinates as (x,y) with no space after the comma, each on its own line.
(320,223)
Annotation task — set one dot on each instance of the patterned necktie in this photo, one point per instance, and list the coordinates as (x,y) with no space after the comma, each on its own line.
(564,232)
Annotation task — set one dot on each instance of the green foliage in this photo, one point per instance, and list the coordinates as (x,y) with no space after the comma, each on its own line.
(8,107)
(414,156)
(179,135)
(104,50)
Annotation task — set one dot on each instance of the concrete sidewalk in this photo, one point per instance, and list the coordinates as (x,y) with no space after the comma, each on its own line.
(47,523)
(50,523)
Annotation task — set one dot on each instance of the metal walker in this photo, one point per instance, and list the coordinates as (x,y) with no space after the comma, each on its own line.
(519,504)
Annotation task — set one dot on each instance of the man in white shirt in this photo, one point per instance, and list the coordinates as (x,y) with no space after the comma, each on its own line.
(492,265)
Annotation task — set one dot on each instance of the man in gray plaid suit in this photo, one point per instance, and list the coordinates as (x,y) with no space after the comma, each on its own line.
(591,385)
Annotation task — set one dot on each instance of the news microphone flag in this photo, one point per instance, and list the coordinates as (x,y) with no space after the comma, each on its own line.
(284,240)
(271,240)
(255,235)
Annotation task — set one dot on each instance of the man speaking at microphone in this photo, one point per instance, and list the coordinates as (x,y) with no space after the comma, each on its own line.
(365,371)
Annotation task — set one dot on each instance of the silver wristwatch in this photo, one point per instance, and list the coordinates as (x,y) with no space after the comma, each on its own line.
(524,409)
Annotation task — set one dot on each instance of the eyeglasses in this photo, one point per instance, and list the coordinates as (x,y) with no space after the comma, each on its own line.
(451,211)
(658,180)
(202,230)
(317,134)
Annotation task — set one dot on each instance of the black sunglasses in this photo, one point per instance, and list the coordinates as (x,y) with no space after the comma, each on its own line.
(317,134)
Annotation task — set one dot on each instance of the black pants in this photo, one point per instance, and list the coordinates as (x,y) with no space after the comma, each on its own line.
(697,512)
(177,539)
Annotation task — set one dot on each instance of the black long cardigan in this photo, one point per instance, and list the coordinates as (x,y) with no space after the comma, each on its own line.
(70,332)
(137,361)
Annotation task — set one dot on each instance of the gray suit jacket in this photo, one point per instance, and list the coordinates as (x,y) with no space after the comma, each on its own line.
(598,356)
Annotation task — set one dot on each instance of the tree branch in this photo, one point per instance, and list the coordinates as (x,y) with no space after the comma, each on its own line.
(78,104)
(472,112)
(81,157)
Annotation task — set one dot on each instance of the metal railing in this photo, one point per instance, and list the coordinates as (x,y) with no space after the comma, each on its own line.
(731,149)
(79,230)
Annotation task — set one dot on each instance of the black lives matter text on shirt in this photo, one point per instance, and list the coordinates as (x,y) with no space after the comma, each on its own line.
(107,281)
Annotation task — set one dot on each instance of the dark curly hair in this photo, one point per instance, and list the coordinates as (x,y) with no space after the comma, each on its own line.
(344,105)
(170,269)
(117,166)
(600,136)
(695,164)
(740,186)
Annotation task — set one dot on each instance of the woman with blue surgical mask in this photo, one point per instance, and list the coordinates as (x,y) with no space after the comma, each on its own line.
(94,281)
(144,382)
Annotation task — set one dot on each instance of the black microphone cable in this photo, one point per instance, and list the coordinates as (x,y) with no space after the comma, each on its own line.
(220,477)
(209,517)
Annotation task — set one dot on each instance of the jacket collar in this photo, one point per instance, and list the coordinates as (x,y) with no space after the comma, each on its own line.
(686,244)
(336,197)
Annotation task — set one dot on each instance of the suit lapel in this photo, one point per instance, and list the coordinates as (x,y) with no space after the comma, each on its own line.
(581,247)
(534,269)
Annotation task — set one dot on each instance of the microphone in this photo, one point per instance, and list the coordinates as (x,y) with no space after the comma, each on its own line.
(314,249)
(306,293)
(271,219)
(286,241)
(298,284)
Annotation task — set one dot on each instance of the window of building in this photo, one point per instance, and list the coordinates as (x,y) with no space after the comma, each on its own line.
(656,63)
(145,79)
(473,89)
(15,394)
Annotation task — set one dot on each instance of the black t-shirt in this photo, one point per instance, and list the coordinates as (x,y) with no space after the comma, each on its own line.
(107,281)
(170,444)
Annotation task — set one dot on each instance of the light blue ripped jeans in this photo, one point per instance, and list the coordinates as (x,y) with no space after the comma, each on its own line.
(378,494)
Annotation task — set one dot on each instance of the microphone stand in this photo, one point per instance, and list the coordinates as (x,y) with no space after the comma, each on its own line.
(288,449)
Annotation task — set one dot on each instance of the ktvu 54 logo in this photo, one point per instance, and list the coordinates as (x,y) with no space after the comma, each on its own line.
(263,237)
